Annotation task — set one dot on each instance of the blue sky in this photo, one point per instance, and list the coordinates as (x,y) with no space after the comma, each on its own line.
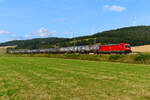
(26,19)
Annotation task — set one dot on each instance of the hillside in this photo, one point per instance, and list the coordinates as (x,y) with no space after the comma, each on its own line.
(139,35)
(35,43)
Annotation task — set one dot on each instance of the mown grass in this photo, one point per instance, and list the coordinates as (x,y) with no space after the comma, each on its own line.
(37,78)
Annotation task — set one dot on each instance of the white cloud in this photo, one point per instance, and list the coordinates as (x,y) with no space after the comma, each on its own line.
(114,8)
(27,36)
(43,32)
(17,37)
(2,32)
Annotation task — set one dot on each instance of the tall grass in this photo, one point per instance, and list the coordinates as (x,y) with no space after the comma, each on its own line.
(139,58)
(142,58)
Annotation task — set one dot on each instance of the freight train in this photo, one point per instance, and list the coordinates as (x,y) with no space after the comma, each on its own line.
(122,48)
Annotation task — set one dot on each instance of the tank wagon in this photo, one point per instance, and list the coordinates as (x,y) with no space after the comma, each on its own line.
(122,48)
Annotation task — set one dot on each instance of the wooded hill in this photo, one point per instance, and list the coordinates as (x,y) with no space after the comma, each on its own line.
(139,35)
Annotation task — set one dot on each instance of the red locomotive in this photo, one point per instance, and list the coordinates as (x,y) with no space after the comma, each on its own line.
(115,48)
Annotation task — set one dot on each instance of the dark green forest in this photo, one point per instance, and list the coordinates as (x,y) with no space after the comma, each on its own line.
(136,36)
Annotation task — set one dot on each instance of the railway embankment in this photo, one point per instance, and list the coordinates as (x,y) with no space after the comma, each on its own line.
(136,58)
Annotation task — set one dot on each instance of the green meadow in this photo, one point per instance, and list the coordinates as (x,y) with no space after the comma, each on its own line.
(39,78)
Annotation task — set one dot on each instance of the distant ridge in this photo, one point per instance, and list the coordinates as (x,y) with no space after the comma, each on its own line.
(136,36)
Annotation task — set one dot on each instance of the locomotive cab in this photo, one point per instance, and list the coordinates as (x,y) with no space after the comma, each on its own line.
(127,48)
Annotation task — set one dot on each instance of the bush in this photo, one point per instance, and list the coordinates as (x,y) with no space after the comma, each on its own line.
(115,57)
(141,58)
(72,55)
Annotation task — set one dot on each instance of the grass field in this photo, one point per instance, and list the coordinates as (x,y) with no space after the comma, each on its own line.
(3,49)
(28,78)
(144,48)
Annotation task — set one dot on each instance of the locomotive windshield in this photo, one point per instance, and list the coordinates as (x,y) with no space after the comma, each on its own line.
(127,46)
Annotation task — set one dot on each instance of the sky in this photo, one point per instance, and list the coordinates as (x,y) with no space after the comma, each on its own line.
(27,19)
